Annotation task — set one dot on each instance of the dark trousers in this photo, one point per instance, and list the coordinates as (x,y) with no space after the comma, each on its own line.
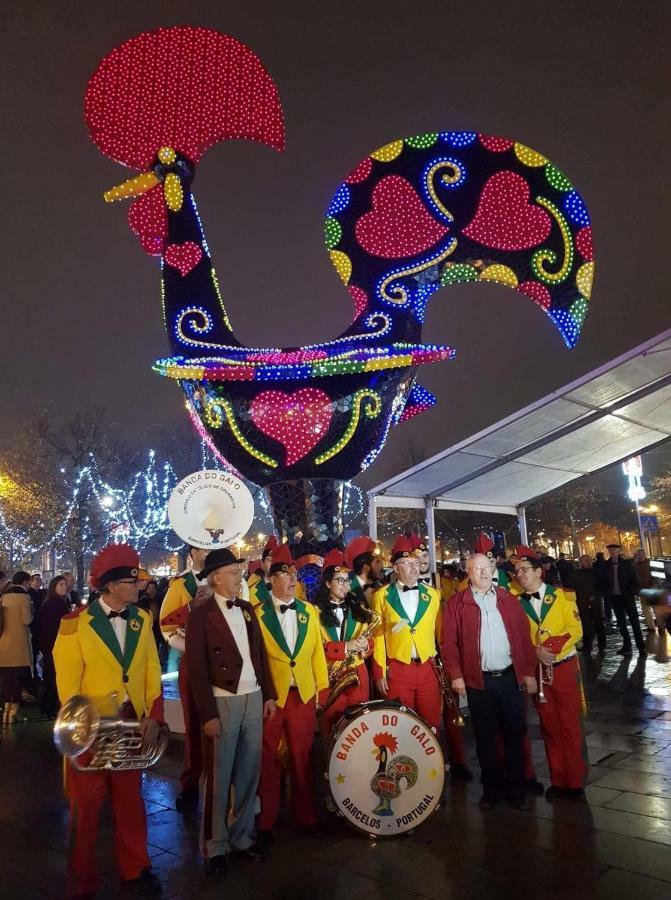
(499,709)
(49,701)
(591,616)
(625,608)
(608,610)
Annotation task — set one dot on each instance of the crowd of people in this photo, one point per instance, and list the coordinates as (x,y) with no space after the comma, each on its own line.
(260,666)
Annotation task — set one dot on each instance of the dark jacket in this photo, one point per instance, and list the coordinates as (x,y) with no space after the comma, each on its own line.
(626,578)
(460,637)
(48,622)
(213,658)
(587,585)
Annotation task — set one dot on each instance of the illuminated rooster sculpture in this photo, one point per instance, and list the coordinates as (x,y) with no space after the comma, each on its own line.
(418,214)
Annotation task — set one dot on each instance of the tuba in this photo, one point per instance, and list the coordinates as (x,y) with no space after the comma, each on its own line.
(342,673)
(115,744)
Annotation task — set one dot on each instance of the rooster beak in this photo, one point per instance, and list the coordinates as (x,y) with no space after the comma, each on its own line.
(131,188)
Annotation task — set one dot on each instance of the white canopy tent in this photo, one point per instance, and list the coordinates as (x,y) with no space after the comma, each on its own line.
(608,415)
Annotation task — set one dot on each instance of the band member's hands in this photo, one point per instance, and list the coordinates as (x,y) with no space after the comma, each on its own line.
(149,731)
(545,656)
(202,594)
(357,645)
(381,686)
(459,687)
(530,685)
(212,728)
(269,709)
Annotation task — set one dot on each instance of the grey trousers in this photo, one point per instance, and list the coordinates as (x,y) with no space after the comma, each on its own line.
(232,760)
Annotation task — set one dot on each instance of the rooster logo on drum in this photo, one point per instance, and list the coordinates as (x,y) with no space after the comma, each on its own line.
(386,783)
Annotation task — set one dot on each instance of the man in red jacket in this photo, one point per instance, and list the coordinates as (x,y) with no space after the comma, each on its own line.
(489,657)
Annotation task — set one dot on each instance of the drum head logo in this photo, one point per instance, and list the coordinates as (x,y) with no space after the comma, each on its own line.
(385,770)
(211,509)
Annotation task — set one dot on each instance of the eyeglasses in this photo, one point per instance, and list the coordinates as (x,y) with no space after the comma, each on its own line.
(132,581)
(524,569)
(483,570)
(340,580)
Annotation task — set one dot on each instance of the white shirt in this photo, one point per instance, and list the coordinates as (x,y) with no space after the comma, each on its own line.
(288,624)
(410,603)
(235,619)
(119,625)
(339,613)
(494,644)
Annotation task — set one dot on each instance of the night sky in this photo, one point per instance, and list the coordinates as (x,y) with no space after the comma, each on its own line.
(585,83)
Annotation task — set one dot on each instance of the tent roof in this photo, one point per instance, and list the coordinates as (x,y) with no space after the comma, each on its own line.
(614,412)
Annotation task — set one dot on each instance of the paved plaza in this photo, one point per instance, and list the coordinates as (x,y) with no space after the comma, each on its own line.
(617,844)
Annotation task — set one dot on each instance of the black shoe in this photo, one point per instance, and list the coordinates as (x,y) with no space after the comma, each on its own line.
(574,793)
(625,651)
(216,866)
(253,853)
(534,786)
(460,772)
(147,884)
(553,791)
(518,801)
(188,799)
(487,802)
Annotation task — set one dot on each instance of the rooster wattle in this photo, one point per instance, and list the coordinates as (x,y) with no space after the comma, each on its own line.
(418,214)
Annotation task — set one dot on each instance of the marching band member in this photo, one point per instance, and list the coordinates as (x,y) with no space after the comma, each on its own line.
(405,642)
(554,624)
(342,618)
(365,564)
(487,652)
(186,590)
(456,752)
(259,585)
(290,630)
(231,684)
(104,649)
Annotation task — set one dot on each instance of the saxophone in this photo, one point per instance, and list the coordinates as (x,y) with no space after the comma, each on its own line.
(342,673)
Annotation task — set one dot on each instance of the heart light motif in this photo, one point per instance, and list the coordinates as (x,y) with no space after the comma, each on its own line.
(183,256)
(505,220)
(298,420)
(398,224)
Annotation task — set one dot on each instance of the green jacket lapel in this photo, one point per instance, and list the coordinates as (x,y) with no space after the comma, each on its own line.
(302,616)
(548,599)
(133,628)
(191,584)
(423,604)
(262,592)
(394,600)
(351,625)
(272,623)
(103,628)
(528,608)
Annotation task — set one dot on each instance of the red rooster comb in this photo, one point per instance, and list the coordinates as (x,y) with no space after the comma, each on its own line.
(334,559)
(114,561)
(484,544)
(384,739)
(271,547)
(357,547)
(282,560)
(186,88)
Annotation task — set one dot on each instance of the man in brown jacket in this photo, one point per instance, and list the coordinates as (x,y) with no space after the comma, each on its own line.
(233,691)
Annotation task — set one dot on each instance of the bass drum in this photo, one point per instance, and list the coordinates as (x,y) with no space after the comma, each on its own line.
(385,768)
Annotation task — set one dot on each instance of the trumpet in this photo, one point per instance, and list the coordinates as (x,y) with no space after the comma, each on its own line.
(342,673)
(115,744)
(545,673)
(451,700)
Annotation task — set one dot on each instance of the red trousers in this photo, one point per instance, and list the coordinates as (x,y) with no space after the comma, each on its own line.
(193,753)
(356,694)
(416,686)
(87,793)
(561,720)
(298,720)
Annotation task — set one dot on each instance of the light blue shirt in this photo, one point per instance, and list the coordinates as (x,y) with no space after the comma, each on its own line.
(494,644)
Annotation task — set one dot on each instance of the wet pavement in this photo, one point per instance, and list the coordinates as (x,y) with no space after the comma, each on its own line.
(616,844)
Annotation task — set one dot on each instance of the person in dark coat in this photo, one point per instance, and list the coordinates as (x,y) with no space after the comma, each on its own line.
(620,586)
(586,585)
(54,606)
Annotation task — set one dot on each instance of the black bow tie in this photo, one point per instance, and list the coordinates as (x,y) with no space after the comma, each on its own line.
(404,588)
(426,579)
(337,605)
(285,606)
(536,595)
(120,615)
(231,603)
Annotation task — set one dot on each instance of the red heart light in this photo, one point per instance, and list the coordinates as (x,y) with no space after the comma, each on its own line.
(183,256)
(298,421)
(398,224)
(505,220)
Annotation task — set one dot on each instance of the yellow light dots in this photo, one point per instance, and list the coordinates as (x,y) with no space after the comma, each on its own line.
(342,264)
(529,157)
(371,408)
(167,155)
(233,425)
(131,188)
(500,274)
(584,279)
(390,362)
(398,293)
(173,193)
(541,257)
(388,152)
